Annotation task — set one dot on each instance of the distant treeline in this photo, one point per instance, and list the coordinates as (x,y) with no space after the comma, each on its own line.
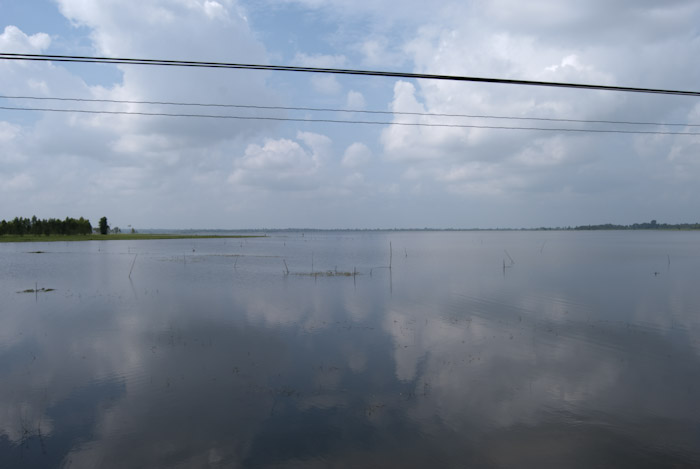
(52,226)
(652,225)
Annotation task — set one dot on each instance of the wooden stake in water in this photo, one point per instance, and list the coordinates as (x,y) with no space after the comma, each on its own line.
(132,264)
(391,253)
(512,262)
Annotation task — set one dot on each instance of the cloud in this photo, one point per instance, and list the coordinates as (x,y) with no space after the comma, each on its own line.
(355,100)
(320,60)
(139,154)
(356,155)
(13,40)
(414,143)
(322,83)
(283,164)
(506,39)
(384,11)
(21,182)
(326,84)
(378,51)
(490,161)
(8,132)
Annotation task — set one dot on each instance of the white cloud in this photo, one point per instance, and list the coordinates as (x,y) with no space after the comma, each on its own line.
(21,182)
(413,143)
(137,154)
(320,60)
(356,155)
(215,10)
(13,40)
(383,11)
(574,41)
(11,157)
(355,100)
(354,180)
(378,52)
(322,83)
(516,162)
(8,131)
(283,164)
(326,84)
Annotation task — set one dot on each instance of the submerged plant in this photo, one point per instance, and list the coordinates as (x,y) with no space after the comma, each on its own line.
(37,290)
(329,273)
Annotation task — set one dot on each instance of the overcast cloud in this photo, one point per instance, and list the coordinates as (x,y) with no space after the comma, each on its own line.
(175,172)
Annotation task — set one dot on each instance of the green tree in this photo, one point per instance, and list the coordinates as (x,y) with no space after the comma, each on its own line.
(104,227)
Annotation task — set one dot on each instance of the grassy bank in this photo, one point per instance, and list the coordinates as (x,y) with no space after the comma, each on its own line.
(110,237)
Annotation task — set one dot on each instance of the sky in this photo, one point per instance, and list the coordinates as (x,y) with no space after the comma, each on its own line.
(188,172)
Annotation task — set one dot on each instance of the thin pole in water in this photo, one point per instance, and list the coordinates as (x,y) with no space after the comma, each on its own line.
(391,253)
(132,264)
(512,262)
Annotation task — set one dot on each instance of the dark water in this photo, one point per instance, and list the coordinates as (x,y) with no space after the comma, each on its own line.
(481,349)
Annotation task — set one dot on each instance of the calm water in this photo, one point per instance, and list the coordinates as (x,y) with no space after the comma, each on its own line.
(478,349)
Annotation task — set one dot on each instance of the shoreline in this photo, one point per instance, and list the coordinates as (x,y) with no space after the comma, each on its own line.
(111,237)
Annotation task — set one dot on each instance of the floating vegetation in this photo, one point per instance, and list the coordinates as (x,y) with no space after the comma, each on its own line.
(328,273)
(188,257)
(37,290)
(323,273)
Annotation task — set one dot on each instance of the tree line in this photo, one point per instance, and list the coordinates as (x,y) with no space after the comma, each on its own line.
(653,225)
(52,226)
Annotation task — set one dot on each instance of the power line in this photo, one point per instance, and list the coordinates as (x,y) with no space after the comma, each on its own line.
(336,71)
(363,111)
(340,121)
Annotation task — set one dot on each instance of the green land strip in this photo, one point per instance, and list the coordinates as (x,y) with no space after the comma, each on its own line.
(111,237)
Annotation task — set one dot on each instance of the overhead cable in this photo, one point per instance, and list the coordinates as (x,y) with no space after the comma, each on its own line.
(336,71)
(352,111)
(341,121)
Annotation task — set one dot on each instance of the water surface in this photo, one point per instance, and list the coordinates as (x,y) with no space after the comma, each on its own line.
(481,349)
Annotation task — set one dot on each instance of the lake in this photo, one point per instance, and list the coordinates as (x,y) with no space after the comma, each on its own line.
(475,349)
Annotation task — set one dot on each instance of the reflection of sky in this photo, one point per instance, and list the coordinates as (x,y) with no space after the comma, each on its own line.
(576,354)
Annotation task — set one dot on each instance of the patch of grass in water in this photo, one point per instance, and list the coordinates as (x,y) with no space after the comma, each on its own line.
(39,290)
(327,273)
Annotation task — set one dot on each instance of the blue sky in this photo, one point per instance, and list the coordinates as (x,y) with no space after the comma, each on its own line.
(165,172)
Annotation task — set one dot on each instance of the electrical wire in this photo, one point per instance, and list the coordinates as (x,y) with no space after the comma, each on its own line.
(340,121)
(353,111)
(336,71)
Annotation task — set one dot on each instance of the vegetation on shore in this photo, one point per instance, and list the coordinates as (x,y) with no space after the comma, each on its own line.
(71,229)
(111,237)
(53,226)
(33,229)
(653,225)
